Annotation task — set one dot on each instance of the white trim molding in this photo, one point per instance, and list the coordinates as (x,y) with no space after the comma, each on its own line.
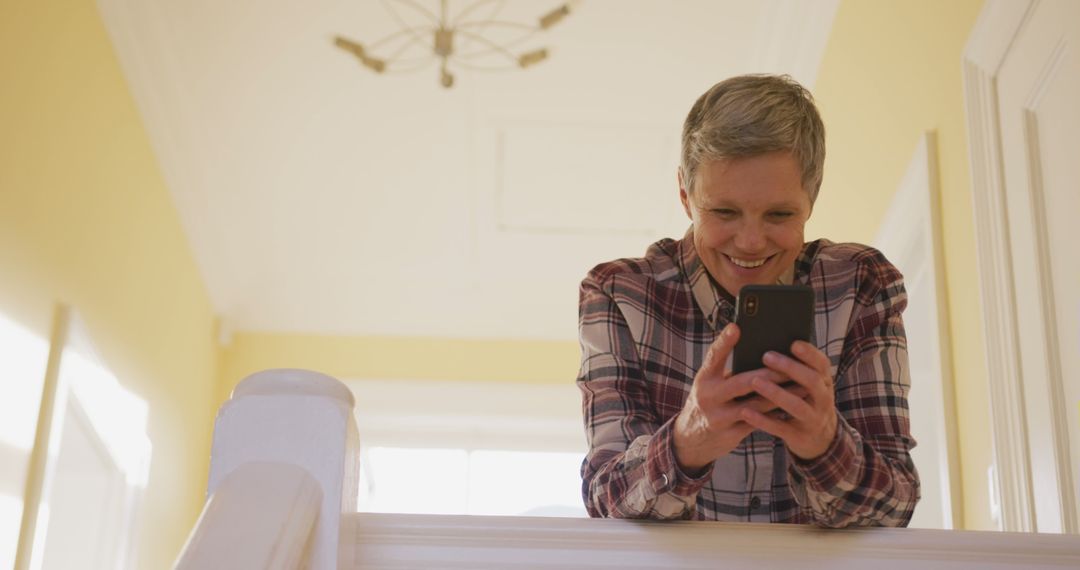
(1049,310)
(1015,54)
(986,49)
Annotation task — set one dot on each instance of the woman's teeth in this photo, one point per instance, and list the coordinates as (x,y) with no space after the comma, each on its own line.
(747,263)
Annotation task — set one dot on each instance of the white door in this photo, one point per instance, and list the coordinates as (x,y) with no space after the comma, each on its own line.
(1036,83)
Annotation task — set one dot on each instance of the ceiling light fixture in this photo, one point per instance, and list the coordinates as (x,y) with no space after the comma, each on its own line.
(472,38)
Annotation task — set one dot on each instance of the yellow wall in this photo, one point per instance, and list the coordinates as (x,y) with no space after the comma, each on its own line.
(891,71)
(85,218)
(529,362)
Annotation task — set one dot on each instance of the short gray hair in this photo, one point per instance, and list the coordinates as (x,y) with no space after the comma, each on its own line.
(750,115)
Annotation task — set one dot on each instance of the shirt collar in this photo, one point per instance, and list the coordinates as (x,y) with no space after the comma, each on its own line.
(717,309)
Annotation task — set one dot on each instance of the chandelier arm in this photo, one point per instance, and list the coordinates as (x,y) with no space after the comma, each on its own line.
(465,64)
(491,15)
(416,64)
(414,34)
(529,32)
(513,43)
(388,4)
(499,4)
(502,23)
(394,57)
(494,46)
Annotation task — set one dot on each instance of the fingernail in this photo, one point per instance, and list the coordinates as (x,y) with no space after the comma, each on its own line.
(770,357)
(728,331)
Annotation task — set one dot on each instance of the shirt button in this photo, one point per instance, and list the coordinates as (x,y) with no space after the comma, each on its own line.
(755,502)
(664,480)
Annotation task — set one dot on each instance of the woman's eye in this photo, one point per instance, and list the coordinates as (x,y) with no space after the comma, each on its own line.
(782,215)
(724,212)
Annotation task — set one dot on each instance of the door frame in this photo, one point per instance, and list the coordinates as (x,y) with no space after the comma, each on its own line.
(988,45)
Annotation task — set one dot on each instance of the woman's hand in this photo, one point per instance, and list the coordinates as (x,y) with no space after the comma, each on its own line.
(712,423)
(810,425)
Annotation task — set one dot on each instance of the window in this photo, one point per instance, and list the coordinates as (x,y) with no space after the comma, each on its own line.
(473,482)
(478,448)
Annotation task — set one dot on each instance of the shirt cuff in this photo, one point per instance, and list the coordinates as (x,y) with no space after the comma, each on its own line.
(827,470)
(663,469)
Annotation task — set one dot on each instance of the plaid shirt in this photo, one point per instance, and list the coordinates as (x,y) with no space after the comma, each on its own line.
(645,325)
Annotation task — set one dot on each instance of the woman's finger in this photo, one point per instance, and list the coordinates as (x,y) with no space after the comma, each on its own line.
(795,406)
(813,357)
(802,374)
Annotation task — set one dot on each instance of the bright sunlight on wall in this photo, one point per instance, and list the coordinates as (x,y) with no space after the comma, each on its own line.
(118,416)
(94,422)
(99,460)
(23,356)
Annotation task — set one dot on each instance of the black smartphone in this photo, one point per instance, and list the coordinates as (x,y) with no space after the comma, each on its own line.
(771,317)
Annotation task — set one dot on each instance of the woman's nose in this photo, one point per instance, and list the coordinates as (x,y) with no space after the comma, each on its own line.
(750,238)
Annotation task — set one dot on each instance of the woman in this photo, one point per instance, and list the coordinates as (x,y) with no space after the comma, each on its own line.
(820,437)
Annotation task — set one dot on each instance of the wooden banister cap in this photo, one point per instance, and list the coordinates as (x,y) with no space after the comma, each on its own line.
(293,381)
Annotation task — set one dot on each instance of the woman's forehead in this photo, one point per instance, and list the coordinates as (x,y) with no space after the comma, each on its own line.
(769,178)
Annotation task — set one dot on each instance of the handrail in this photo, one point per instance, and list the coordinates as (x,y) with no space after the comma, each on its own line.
(498,542)
(261,516)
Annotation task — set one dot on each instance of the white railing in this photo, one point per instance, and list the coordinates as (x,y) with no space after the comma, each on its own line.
(283,489)
(446,541)
(261,516)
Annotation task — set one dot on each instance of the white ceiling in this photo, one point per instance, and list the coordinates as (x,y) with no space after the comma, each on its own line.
(319,197)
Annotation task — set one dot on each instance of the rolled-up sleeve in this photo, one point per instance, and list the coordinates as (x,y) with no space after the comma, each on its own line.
(630,469)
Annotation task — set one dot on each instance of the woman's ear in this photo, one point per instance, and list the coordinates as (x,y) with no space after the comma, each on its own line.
(684,197)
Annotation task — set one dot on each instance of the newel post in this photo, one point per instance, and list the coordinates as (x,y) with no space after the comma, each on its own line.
(303,419)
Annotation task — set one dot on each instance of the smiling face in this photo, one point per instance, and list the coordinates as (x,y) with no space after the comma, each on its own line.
(748,215)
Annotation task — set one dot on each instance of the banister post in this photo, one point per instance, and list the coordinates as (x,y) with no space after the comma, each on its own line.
(301,418)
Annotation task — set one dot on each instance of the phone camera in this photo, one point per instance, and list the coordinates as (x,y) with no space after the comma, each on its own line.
(751,305)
